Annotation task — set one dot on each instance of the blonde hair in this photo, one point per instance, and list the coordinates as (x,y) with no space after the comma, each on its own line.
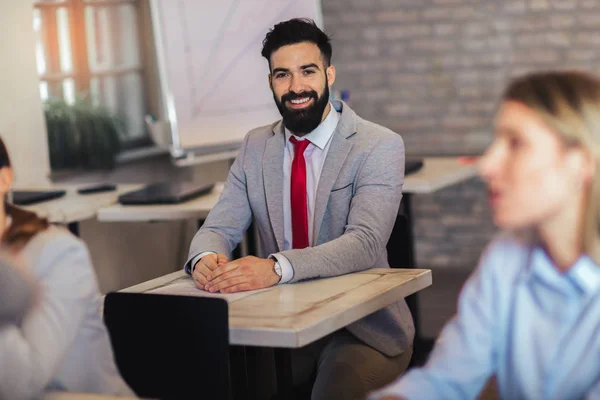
(569,103)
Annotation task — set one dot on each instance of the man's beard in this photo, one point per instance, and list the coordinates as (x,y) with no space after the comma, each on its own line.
(303,121)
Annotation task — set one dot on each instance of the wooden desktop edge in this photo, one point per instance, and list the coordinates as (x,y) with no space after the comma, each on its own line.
(301,336)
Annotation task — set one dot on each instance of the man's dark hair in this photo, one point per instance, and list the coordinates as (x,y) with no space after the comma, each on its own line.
(297,30)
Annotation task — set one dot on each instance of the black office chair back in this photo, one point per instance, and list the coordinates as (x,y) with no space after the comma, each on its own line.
(400,254)
(170,347)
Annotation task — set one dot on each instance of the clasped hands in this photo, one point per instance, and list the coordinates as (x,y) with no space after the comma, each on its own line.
(214,273)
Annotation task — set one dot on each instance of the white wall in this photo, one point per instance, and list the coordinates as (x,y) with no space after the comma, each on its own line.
(123,253)
(22,124)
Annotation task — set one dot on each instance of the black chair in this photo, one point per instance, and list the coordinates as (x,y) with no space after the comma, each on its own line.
(400,252)
(170,347)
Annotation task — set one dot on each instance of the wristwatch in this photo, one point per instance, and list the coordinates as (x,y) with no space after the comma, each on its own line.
(277,267)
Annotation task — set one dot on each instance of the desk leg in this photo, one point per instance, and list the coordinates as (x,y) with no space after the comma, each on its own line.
(283,370)
(242,362)
(238,372)
(74,228)
(411,300)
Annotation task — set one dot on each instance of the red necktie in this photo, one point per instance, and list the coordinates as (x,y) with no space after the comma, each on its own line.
(298,195)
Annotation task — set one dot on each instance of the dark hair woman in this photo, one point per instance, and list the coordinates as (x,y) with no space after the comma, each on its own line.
(62,343)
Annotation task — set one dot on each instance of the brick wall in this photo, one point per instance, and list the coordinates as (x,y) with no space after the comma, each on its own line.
(433,71)
(452,226)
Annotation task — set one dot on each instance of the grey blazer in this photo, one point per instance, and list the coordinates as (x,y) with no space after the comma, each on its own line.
(62,343)
(15,293)
(357,202)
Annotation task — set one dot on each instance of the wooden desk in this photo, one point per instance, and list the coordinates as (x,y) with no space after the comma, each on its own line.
(294,315)
(197,208)
(437,173)
(73,207)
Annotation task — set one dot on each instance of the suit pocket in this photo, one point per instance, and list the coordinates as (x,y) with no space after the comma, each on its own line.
(336,217)
(342,188)
(341,196)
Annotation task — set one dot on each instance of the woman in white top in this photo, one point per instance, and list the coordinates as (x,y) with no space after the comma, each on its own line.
(61,344)
(16,291)
(530,314)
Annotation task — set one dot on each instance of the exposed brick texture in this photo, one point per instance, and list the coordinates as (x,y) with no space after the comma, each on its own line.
(433,71)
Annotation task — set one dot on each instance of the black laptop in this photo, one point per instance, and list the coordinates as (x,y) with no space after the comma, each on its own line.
(412,166)
(165,344)
(27,197)
(165,193)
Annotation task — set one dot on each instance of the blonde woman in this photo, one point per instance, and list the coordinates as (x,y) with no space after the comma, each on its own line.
(61,344)
(530,314)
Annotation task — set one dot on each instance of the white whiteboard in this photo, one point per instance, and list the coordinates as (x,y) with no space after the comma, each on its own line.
(213,79)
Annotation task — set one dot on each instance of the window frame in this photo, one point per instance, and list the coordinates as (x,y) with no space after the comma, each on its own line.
(81,73)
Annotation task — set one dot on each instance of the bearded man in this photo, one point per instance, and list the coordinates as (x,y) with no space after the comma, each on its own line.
(323,187)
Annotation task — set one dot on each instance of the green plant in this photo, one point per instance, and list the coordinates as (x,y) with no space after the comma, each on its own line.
(81,135)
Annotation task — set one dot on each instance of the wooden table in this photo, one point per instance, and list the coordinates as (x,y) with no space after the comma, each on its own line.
(197,208)
(73,207)
(294,315)
(437,173)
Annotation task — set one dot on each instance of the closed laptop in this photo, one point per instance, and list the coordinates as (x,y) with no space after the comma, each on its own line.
(165,193)
(412,166)
(27,197)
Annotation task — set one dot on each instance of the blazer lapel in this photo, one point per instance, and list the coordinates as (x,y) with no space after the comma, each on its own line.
(337,154)
(272,166)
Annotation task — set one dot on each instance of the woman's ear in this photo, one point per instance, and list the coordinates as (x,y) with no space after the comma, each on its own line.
(6,180)
(581,164)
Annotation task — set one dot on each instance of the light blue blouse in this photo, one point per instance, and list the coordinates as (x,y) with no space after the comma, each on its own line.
(519,318)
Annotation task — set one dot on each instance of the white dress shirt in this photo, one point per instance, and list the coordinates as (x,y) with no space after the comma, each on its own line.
(314,156)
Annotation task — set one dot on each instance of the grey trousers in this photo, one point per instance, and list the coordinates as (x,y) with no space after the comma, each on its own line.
(343,367)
